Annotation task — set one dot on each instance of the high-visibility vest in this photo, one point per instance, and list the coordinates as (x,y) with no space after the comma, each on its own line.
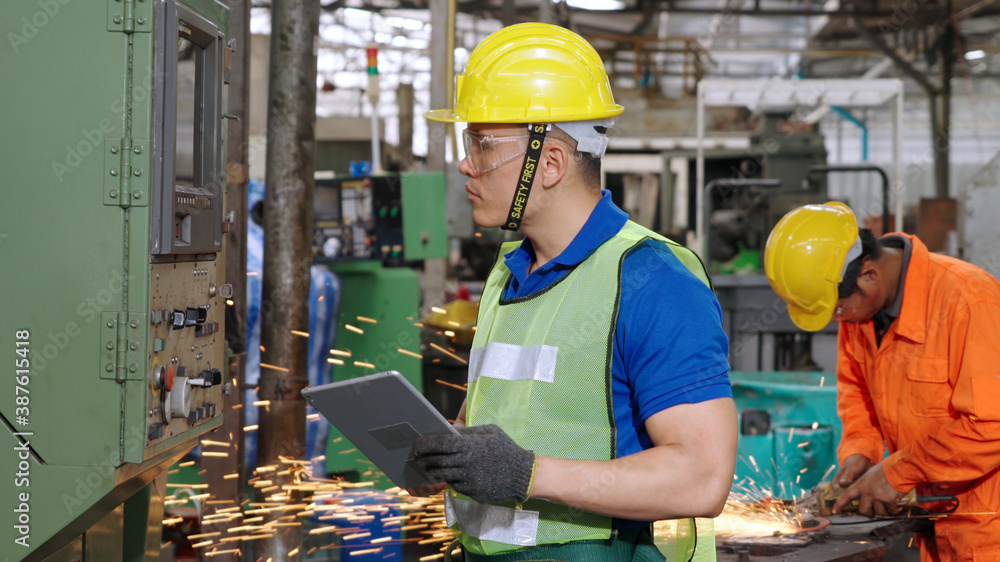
(540,368)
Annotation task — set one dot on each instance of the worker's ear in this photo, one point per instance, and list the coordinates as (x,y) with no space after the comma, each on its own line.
(554,163)
(868,276)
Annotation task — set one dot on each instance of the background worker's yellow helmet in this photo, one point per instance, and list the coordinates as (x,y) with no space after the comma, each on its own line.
(805,258)
(531,73)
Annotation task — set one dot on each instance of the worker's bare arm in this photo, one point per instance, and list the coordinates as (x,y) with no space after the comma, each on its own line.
(687,473)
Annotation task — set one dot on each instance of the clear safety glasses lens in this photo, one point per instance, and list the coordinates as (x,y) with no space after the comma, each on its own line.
(487,152)
(846,309)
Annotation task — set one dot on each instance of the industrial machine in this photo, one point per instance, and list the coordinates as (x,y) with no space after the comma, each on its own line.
(741,214)
(364,228)
(113,265)
(389,218)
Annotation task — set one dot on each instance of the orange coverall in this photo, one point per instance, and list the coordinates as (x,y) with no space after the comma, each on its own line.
(931,394)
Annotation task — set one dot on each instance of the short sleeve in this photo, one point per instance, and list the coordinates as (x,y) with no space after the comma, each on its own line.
(670,345)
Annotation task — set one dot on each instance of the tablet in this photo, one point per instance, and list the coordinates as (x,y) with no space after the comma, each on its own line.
(382,415)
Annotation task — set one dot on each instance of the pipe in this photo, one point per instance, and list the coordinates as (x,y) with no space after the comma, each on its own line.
(863,168)
(864,129)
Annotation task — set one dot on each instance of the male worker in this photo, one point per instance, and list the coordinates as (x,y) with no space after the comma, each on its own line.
(599,398)
(918,368)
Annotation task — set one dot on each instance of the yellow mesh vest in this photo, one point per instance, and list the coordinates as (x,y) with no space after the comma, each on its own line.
(572,415)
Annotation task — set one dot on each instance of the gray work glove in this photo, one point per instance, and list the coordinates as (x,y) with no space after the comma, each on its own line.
(482,462)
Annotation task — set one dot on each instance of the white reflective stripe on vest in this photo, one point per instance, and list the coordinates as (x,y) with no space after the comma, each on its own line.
(513,362)
(492,522)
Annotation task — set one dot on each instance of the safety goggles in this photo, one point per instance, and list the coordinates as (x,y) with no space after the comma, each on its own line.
(846,308)
(489,152)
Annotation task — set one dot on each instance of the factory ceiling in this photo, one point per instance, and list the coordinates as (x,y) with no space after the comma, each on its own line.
(744,38)
(661,48)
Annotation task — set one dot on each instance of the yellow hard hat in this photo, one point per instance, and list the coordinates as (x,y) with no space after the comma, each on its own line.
(531,73)
(805,258)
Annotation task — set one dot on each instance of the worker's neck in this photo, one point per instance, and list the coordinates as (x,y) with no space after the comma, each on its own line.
(890,265)
(557,223)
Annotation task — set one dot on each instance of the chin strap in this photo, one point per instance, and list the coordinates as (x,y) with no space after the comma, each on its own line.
(528,169)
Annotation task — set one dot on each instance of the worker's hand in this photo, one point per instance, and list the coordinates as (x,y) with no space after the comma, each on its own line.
(481,462)
(853,467)
(877,498)
(427,490)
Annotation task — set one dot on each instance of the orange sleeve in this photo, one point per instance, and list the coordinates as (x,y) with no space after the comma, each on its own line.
(862,434)
(968,447)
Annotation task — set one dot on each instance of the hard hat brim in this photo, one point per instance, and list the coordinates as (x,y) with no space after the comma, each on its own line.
(810,321)
(449,116)
(444,116)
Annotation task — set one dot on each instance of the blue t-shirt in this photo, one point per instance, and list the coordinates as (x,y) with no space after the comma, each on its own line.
(669,346)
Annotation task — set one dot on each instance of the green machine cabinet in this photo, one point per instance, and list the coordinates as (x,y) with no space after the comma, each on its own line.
(369,230)
(789,431)
(378,312)
(112,264)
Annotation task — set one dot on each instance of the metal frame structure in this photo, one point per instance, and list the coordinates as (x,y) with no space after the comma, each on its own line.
(789,95)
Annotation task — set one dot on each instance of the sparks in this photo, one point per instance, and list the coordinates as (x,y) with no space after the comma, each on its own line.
(448,353)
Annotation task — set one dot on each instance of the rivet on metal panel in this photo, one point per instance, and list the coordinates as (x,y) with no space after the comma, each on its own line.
(137,171)
(110,345)
(114,171)
(114,193)
(114,150)
(133,368)
(133,346)
(111,323)
(140,20)
(117,18)
(137,150)
(134,324)
(137,194)
(109,367)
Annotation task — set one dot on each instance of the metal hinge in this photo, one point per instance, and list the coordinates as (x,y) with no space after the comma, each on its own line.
(130,16)
(122,350)
(126,172)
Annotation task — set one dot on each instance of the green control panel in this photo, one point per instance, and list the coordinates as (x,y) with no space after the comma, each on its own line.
(112,332)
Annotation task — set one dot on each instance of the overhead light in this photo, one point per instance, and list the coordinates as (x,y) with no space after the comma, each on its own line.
(596,4)
(973,55)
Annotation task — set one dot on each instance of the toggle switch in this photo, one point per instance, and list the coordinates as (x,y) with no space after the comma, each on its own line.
(177,319)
